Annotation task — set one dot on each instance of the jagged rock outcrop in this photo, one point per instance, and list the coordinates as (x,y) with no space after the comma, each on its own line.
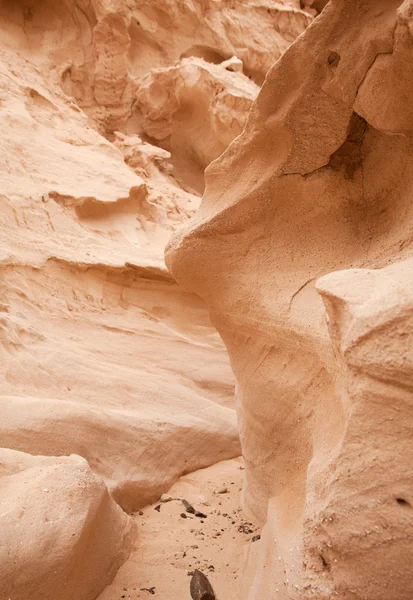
(80,187)
(96,49)
(320,181)
(61,533)
(195,110)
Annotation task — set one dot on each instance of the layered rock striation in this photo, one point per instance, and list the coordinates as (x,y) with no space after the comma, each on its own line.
(301,249)
(114,382)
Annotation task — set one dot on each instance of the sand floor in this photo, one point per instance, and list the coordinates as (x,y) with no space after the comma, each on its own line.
(172,542)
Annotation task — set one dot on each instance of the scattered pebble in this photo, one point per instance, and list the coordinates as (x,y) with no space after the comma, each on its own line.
(200,587)
(151,590)
(245,528)
(188,507)
(226,525)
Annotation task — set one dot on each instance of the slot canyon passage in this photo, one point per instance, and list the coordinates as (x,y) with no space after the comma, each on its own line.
(206,299)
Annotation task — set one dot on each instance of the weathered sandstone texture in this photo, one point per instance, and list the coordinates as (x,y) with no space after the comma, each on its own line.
(98,49)
(320,181)
(61,533)
(113,381)
(195,110)
(87,304)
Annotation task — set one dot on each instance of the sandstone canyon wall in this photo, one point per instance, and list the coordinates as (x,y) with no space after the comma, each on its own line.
(302,249)
(114,382)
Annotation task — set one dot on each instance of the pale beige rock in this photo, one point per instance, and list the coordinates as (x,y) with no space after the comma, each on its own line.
(258,32)
(368,481)
(320,180)
(80,187)
(138,452)
(103,355)
(62,536)
(95,48)
(195,110)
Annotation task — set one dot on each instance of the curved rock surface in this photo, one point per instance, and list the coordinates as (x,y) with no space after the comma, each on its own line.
(195,110)
(320,180)
(87,304)
(103,355)
(61,533)
(140,451)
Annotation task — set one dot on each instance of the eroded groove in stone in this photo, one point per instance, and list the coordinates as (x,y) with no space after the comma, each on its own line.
(316,196)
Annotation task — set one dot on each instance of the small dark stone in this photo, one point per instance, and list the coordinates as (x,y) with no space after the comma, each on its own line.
(158,508)
(188,507)
(200,587)
(200,515)
(183,515)
(333,59)
(256,538)
(245,528)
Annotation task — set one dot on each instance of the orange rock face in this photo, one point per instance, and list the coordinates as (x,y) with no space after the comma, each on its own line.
(301,249)
(115,383)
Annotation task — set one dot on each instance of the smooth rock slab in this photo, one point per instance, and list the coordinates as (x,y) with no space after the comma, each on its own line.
(62,536)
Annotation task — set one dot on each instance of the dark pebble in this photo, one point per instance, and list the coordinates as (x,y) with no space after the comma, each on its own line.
(188,507)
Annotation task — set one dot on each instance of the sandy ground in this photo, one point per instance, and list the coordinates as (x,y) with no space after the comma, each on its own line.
(173,542)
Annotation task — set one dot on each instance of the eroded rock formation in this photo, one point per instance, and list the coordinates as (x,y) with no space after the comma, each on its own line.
(86,299)
(98,49)
(114,382)
(320,181)
(62,534)
(195,110)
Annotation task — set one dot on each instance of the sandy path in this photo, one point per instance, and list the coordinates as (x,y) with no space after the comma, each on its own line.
(171,546)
